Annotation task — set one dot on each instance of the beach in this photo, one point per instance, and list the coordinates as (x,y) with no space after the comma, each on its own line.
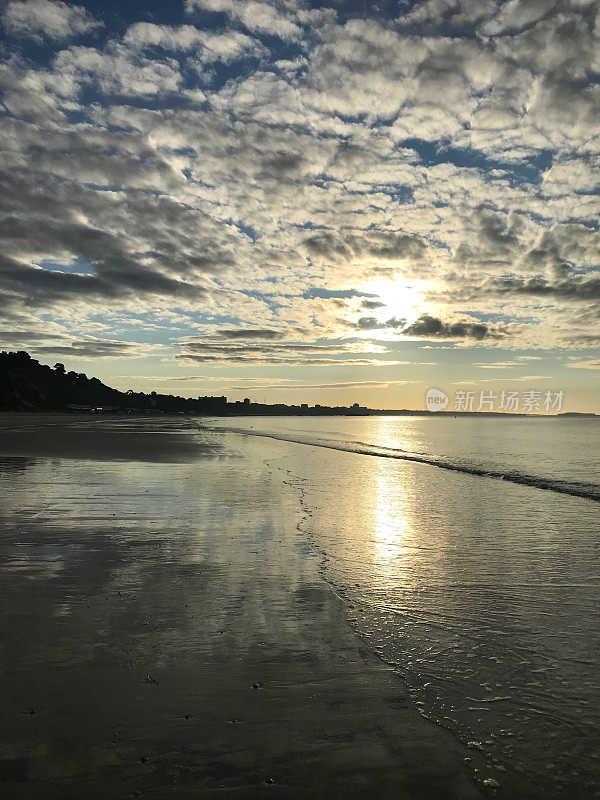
(299,400)
(472,570)
(168,630)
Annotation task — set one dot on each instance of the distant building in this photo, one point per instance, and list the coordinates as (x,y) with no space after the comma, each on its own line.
(355,408)
(211,405)
(246,401)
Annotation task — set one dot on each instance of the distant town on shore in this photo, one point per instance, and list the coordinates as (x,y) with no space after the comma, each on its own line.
(26,385)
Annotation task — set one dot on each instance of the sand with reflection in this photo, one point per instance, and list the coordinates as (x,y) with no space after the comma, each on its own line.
(167,632)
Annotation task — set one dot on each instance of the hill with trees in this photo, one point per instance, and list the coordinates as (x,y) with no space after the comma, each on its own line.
(27,385)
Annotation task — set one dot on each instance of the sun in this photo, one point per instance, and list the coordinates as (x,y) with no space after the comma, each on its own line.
(402,300)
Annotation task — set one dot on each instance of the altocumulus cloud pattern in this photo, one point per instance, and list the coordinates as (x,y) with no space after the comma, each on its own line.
(284,182)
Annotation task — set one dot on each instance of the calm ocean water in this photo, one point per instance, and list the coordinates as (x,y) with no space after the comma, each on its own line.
(467,551)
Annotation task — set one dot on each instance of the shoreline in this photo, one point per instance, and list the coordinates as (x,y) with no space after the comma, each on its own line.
(176,636)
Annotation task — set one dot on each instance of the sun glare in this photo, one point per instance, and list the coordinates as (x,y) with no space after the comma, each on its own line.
(402,301)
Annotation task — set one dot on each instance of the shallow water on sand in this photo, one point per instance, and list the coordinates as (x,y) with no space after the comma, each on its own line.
(560,454)
(483,593)
(166,633)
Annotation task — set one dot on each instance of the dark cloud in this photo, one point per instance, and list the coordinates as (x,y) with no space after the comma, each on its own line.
(299,353)
(44,287)
(373,324)
(372,304)
(8,338)
(292,361)
(282,165)
(91,349)
(429,327)
(583,288)
(277,347)
(337,294)
(252,333)
(385,245)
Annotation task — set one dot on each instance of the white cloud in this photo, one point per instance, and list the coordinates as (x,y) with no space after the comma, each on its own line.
(591,364)
(451,13)
(234,200)
(262,17)
(517,14)
(225,47)
(119,70)
(572,174)
(48,19)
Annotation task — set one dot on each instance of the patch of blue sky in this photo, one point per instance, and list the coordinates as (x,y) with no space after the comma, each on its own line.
(457,362)
(499,317)
(311,226)
(187,172)
(323,181)
(400,193)
(528,170)
(587,270)
(75,116)
(268,298)
(248,230)
(108,187)
(179,320)
(433,240)
(539,218)
(215,75)
(408,346)
(78,266)
(117,16)
(90,95)
(458,357)
(188,152)
(585,192)
(592,222)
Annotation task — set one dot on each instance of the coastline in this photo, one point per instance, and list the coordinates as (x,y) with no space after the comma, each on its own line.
(169,630)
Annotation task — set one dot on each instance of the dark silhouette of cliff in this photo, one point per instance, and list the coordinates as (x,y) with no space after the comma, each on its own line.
(27,385)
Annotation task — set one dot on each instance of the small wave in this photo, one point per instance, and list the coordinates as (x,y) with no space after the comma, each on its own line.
(572,488)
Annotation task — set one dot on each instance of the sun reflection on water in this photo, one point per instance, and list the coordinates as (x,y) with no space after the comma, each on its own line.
(394,533)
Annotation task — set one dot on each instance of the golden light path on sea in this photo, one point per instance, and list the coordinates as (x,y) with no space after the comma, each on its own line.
(392,503)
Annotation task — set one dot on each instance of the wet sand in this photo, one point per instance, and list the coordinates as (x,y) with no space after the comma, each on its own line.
(156,439)
(166,631)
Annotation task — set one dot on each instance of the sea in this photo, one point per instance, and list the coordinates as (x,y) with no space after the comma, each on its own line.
(467,553)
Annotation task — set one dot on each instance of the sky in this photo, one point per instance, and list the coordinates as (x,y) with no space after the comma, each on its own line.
(305,202)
